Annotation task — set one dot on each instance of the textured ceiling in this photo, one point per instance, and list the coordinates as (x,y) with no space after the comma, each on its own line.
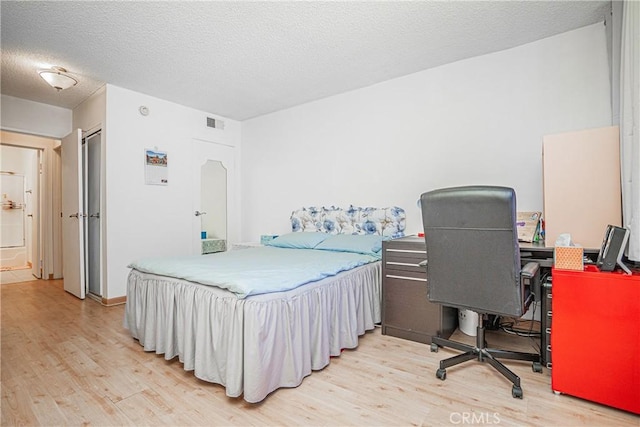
(244,59)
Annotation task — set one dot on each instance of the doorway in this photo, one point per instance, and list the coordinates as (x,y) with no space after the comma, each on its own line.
(21,236)
(42,193)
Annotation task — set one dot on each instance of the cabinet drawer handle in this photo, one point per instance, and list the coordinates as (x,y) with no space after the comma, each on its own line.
(407,251)
(408,264)
(417,279)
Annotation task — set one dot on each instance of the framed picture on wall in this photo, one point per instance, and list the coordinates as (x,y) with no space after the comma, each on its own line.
(156,169)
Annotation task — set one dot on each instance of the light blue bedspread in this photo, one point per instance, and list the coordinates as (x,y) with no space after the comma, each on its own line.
(258,270)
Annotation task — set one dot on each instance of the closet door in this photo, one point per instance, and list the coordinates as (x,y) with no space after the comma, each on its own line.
(72,215)
(92,209)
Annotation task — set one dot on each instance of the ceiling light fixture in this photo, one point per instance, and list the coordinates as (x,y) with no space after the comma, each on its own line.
(58,78)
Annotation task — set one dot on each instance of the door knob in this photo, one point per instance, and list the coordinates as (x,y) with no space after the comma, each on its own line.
(95,215)
(198,213)
(75,215)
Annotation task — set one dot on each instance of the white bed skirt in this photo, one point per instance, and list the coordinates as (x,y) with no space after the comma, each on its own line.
(256,345)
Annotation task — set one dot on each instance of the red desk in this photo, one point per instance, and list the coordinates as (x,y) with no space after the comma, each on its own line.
(595,337)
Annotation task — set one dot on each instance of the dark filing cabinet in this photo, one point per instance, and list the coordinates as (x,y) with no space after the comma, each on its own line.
(406,311)
(545,323)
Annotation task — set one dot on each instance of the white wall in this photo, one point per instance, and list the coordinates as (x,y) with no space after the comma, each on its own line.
(477,121)
(20,115)
(151,220)
(90,115)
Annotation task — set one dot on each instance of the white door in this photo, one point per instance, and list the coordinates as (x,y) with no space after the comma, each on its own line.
(34,204)
(72,215)
(203,152)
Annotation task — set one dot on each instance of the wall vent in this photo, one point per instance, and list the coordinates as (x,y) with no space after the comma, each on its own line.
(214,123)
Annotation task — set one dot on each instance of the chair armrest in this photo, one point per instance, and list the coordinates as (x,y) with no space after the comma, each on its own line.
(530,276)
(530,269)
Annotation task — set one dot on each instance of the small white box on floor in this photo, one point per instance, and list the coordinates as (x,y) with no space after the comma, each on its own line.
(468,322)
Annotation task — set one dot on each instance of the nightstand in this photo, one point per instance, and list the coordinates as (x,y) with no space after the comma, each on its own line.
(406,311)
(210,246)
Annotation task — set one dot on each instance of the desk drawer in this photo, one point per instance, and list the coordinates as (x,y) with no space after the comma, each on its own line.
(405,260)
(416,276)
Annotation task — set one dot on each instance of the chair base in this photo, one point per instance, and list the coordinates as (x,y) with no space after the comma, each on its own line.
(484,354)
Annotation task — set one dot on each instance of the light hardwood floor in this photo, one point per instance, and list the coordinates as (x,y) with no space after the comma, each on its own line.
(71,362)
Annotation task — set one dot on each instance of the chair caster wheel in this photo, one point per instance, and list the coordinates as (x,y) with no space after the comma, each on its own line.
(516,392)
(434,348)
(441,374)
(537,367)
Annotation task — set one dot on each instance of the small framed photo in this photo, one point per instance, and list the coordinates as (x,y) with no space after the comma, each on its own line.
(156,167)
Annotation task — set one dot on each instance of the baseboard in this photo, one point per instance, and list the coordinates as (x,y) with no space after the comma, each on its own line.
(114,301)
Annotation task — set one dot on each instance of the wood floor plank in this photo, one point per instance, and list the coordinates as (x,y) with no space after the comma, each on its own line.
(16,404)
(44,406)
(70,362)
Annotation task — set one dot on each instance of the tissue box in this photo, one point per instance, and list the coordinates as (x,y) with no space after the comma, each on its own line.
(569,258)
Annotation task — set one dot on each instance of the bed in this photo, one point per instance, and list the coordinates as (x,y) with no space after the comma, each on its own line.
(229,329)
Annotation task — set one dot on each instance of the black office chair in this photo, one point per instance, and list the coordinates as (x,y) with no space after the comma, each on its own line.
(473,262)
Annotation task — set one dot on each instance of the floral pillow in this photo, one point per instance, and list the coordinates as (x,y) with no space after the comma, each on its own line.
(389,222)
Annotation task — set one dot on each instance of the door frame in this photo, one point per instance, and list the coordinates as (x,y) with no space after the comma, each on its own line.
(47,192)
